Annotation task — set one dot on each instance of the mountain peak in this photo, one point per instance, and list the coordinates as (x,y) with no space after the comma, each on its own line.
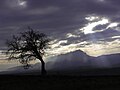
(75,53)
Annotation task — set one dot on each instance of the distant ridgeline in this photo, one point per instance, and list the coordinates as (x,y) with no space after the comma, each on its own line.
(78,60)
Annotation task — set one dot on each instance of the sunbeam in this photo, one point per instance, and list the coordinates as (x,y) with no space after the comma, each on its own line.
(89,27)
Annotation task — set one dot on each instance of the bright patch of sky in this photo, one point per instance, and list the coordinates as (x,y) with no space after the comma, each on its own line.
(89,27)
(112,25)
(22,3)
(101,0)
(114,37)
(17,3)
(91,18)
(63,49)
(69,35)
(58,43)
(92,48)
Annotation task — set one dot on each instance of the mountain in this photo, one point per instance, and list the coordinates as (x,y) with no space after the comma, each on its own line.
(113,60)
(80,60)
(71,60)
(79,63)
(75,63)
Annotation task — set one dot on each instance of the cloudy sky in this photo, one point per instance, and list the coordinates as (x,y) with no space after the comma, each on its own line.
(89,25)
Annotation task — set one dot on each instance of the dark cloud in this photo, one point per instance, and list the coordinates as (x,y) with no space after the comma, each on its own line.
(100,27)
(105,35)
(56,17)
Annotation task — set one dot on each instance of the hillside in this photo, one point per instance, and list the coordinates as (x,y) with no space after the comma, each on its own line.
(75,63)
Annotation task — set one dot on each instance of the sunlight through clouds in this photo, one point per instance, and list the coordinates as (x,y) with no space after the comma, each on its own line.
(58,43)
(102,48)
(91,18)
(69,35)
(92,45)
(17,3)
(89,27)
(92,49)
(92,26)
(114,37)
(101,0)
(80,28)
(63,49)
(22,3)
(112,25)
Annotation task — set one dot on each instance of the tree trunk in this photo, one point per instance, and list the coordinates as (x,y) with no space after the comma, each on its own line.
(43,71)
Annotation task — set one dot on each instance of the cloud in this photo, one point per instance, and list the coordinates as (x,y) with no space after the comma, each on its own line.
(63,21)
(89,28)
(42,11)
(69,35)
(112,25)
(16,4)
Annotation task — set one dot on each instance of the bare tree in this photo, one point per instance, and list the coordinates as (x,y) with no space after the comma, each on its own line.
(29,45)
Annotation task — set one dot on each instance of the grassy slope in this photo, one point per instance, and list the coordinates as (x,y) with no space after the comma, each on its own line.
(55,82)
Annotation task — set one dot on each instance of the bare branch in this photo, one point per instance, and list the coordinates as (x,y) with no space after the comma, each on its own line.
(27,45)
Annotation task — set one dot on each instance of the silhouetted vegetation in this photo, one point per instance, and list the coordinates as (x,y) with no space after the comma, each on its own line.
(29,45)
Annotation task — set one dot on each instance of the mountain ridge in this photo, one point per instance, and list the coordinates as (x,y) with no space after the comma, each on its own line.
(80,58)
(76,62)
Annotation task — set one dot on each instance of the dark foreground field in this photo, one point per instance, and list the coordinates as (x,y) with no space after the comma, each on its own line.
(52,82)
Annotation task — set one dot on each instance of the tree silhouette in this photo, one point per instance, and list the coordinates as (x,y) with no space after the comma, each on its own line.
(29,45)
